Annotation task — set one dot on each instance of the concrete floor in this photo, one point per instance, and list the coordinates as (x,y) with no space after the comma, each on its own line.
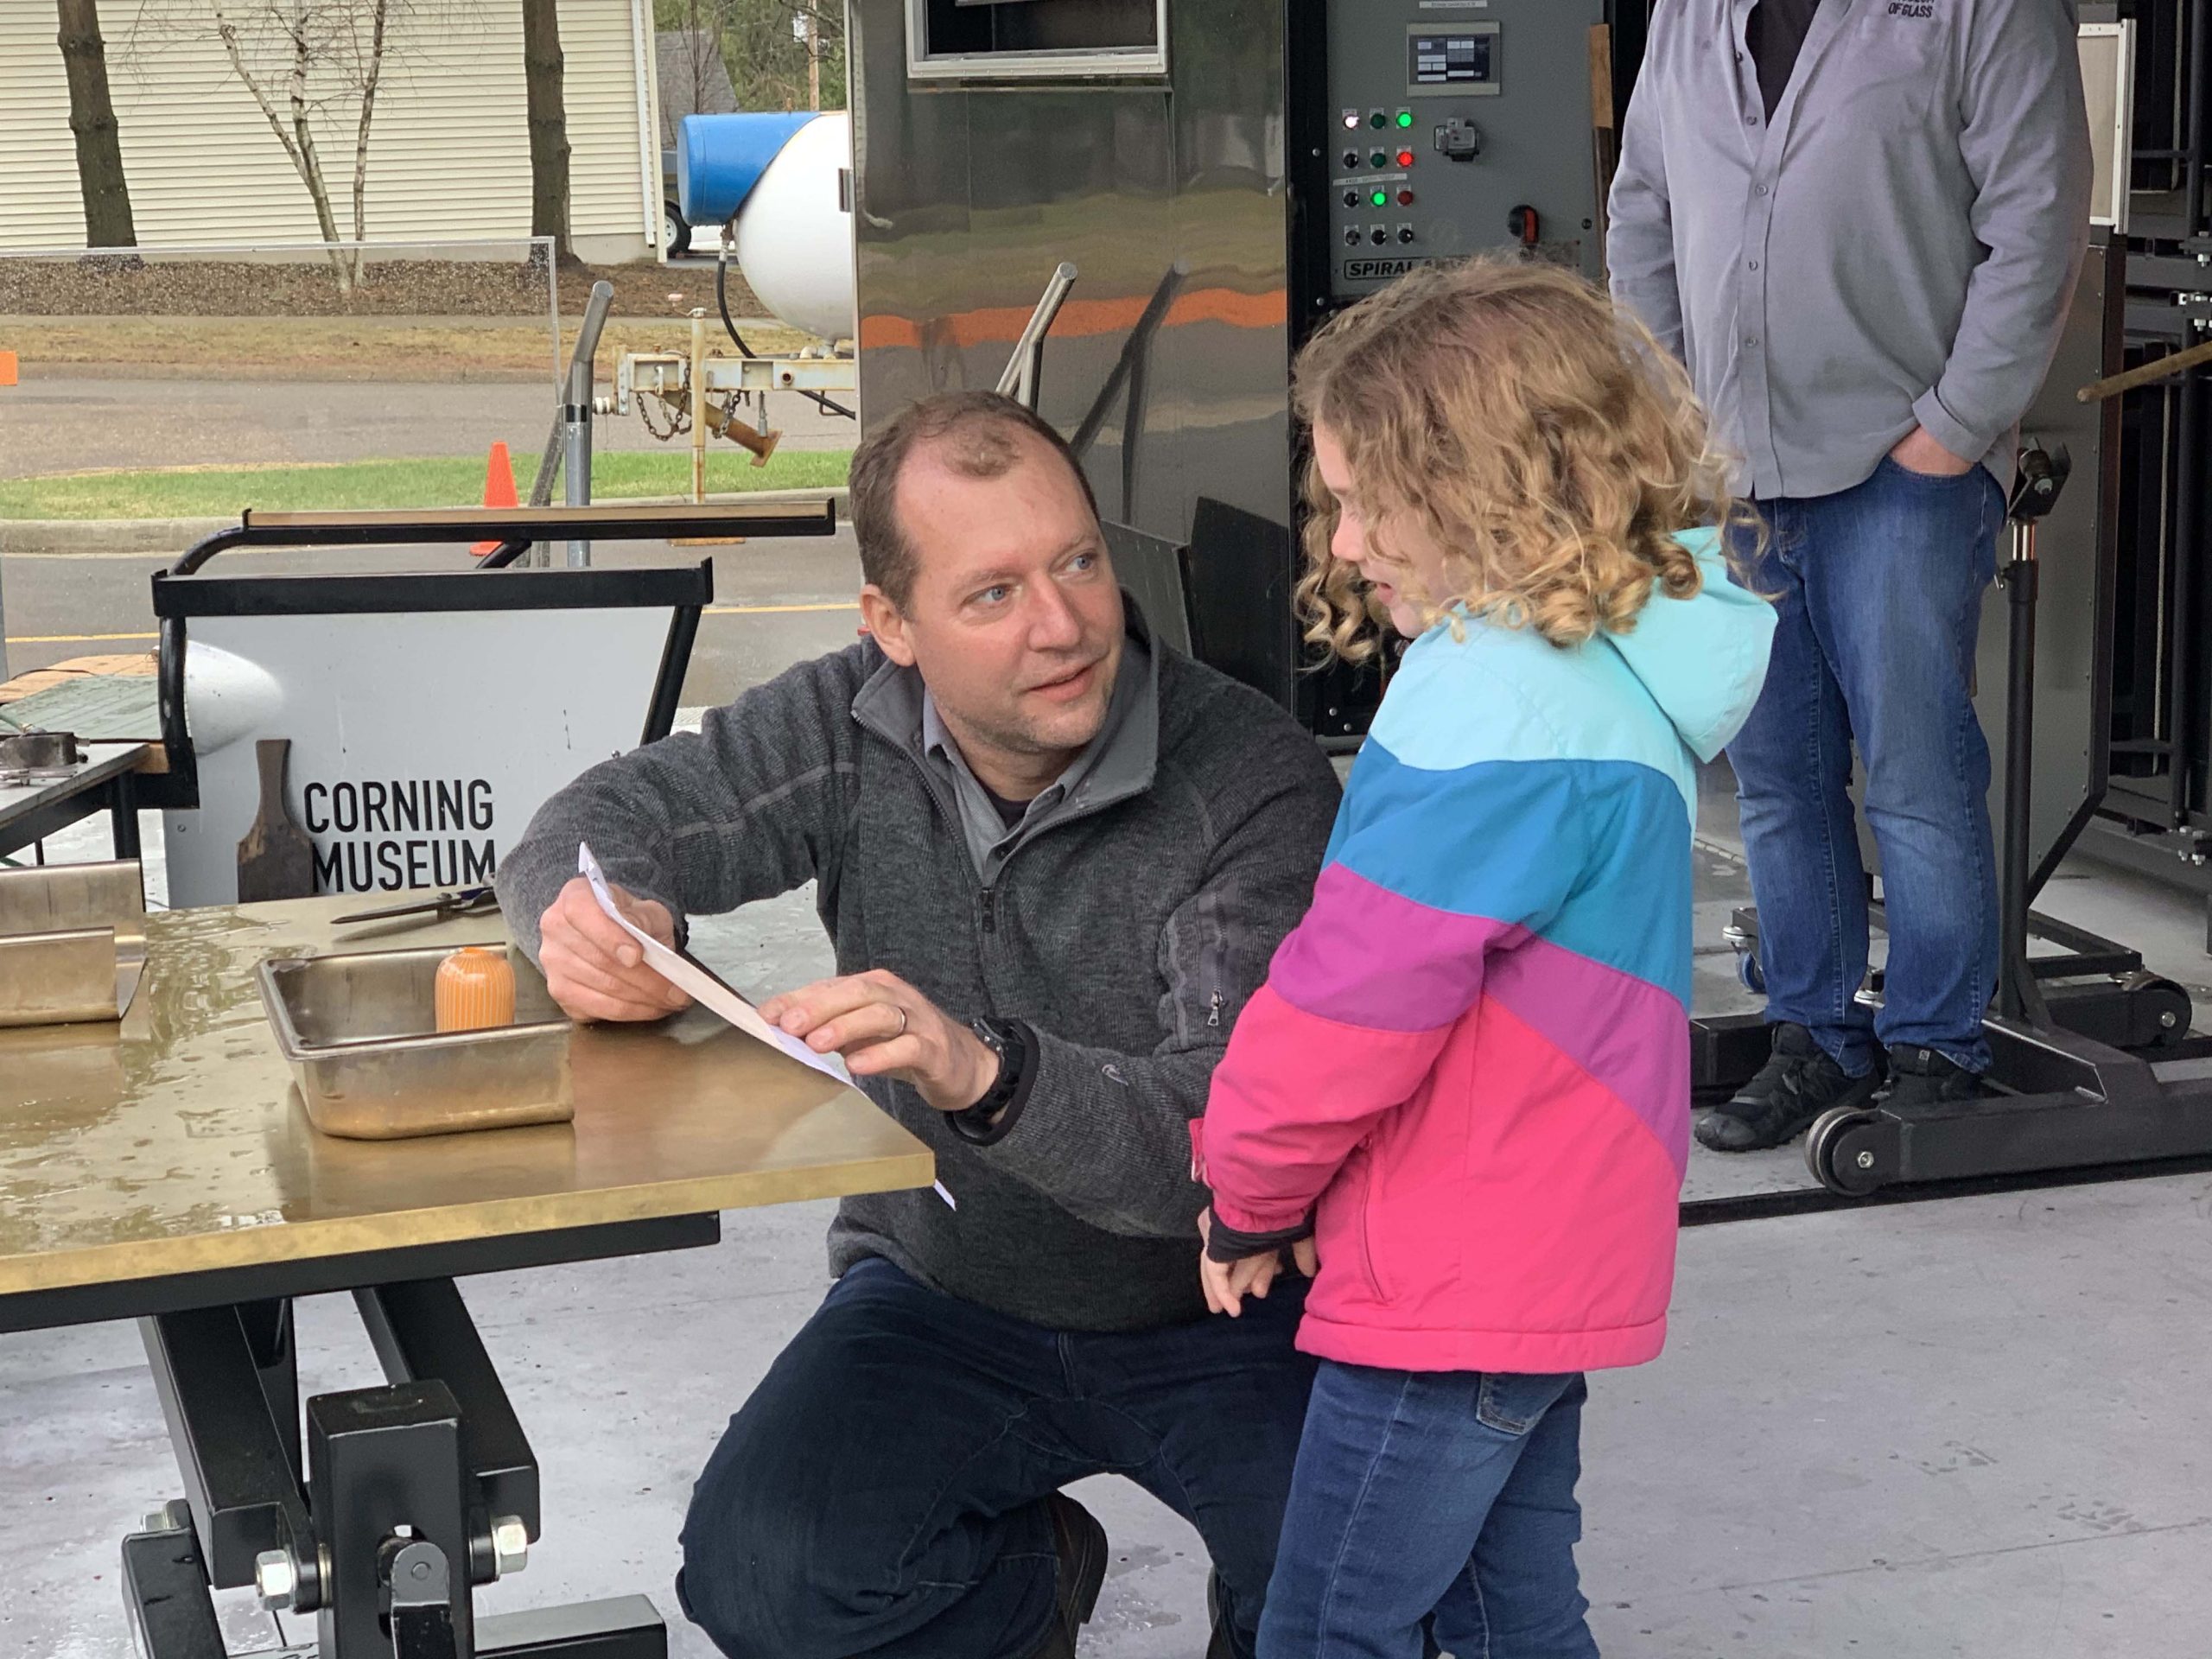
(1976,1429)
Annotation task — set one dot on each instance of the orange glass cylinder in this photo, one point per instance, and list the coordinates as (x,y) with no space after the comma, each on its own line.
(475,990)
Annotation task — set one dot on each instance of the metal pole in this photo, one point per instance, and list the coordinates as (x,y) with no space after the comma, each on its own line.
(2019,995)
(575,413)
(2182,644)
(698,405)
(1020,379)
(2192,206)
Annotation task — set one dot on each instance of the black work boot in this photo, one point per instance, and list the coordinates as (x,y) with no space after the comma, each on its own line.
(1080,1544)
(1797,1084)
(1921,1077)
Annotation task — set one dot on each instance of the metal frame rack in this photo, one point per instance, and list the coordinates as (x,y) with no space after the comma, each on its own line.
(2156,814)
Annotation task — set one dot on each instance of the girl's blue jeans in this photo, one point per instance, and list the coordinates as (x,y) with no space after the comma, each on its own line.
(1432,1505)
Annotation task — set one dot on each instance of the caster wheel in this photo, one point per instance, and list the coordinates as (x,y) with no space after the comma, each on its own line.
(1749,971)
(2164,1010)
(1850,1150)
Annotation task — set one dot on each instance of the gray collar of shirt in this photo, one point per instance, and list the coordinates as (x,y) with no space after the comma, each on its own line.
(1114,766)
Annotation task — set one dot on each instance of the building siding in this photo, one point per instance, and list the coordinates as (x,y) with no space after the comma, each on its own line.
(448,149)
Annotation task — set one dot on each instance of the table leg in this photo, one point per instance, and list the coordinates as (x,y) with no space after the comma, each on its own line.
(428,1477)
(122,815)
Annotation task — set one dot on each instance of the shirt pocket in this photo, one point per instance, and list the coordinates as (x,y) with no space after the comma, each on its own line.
(1895,64)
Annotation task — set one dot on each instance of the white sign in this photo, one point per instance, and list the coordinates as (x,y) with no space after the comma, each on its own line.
(422,743)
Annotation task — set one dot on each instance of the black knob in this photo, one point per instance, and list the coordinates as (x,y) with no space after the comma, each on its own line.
(1351,159)
(1351,236)
(1405,232)
(1378,236)
(1352,198)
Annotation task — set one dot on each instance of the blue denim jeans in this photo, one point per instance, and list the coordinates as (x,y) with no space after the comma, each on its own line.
(881,1493)
(1880,592)
(1438,1503)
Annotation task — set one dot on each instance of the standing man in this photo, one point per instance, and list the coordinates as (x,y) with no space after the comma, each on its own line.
(1860,222)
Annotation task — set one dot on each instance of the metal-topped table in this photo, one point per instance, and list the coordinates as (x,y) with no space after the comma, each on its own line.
(105,777)
(164,1169)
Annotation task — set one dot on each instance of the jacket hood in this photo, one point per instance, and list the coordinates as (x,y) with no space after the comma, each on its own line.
(1703,658)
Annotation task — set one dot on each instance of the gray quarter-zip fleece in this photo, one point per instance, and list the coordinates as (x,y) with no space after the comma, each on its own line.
(1898,247)
(1127,927)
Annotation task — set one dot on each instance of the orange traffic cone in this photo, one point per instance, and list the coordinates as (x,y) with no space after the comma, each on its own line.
(498,489)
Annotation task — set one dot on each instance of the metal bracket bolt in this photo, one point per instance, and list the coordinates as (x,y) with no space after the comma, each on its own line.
(510,1544)
(276,1579)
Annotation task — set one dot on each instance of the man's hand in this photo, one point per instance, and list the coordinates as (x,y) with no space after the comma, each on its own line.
(1227,1283)
(1918,453)
(886,1028)
(594,970)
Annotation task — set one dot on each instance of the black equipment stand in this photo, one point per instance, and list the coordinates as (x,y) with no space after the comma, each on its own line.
(2082,1075)
(397,1502)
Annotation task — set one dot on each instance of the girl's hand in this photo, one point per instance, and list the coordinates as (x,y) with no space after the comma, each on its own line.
(1227,1283)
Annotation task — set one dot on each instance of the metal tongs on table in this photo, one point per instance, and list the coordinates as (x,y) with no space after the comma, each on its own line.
(442,907)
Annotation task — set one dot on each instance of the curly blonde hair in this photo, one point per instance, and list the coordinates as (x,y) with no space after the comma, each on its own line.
(1535,431)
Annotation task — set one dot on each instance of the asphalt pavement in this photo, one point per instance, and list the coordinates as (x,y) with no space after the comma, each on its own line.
(776,602)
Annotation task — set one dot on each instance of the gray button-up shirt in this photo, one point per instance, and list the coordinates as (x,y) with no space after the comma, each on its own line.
(1899,247)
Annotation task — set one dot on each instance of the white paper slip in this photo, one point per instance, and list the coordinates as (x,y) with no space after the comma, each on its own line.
(687,975)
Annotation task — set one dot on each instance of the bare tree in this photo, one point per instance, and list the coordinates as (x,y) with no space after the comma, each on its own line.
(542,73)
(92,118)
(307,63)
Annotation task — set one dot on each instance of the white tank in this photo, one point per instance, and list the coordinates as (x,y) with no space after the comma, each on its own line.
(794,240)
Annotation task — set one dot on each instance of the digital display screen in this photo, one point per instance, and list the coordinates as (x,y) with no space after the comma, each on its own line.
(1466,60)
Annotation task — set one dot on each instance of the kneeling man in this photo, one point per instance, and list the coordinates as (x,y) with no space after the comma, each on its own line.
(1055,857)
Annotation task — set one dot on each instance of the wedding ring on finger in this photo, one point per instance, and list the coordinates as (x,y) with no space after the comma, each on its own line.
(901,1032)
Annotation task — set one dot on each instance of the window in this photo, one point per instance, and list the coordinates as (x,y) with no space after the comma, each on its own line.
(1035,40)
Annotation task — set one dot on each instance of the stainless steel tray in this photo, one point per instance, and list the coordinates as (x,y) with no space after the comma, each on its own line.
(73,941)
(358,1029)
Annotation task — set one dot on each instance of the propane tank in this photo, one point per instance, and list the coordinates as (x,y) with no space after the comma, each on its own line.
(776,176)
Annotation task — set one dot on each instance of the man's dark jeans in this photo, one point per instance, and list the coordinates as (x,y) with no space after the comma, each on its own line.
(881,1494)
(1878,592)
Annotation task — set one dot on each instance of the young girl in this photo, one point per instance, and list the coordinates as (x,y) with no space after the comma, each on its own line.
(1469,1071)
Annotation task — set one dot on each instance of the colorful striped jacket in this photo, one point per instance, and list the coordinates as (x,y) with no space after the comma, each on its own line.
(1473,1054)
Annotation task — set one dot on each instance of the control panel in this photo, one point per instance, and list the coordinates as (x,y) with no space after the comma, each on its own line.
(1458,127)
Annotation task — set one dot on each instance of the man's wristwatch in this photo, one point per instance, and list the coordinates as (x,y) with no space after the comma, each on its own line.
(991,1118)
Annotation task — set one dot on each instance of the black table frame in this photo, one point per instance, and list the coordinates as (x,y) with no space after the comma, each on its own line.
(437,1446)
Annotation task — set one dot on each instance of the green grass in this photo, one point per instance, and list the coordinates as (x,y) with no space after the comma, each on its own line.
(220,492)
